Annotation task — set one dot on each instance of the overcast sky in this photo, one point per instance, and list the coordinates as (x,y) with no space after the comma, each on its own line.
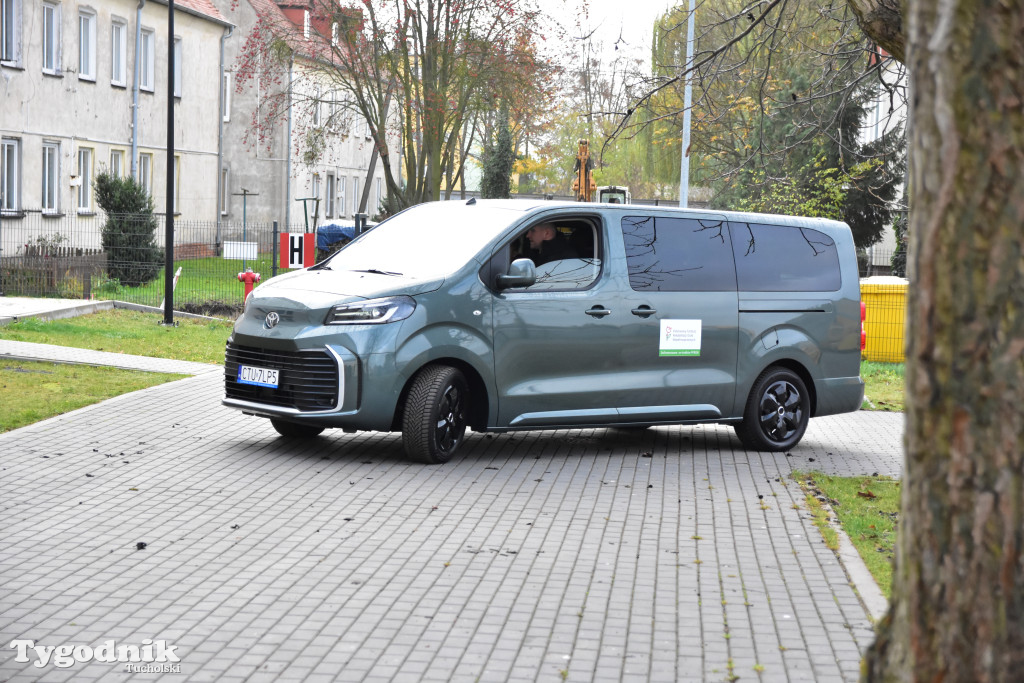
(627,23)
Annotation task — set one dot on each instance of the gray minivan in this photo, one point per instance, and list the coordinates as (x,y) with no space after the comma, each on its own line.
(458,314)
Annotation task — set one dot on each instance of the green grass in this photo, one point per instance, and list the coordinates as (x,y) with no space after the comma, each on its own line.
(201,280)
(883,386)
(131,332)
(867,509)
(33,391)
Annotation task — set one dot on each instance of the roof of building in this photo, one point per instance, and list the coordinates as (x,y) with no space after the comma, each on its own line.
(200,8)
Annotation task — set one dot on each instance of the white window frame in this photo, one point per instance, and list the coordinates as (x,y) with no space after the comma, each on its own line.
(50,193)
(316,192)
(146,172)
(177,184)
(329,192)
(147,66)
(117,167)
(85,161)
(342,207)
(178,56)
(376,208)
(305,24)
(225,196)
(226,85)
(10,175)
(119,52)
(10,32)
(86,45)
(355,195)
(51,38)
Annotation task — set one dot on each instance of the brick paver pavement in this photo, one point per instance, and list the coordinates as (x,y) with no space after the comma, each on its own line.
(666,554)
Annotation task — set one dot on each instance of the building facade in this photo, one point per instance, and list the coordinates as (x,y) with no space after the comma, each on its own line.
(84,89)
(294,150)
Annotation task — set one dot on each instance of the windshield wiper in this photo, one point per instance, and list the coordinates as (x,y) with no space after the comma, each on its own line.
(376,272)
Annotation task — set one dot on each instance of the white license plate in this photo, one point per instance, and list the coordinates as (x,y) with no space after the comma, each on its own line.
(260,377)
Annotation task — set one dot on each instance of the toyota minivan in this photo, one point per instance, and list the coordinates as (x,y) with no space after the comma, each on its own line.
(445,317)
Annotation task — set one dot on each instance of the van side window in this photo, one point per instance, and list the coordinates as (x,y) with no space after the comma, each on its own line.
(574,265)
(678,254)
(780,258)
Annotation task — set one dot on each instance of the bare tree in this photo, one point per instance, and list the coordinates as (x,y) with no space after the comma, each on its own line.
(419,71)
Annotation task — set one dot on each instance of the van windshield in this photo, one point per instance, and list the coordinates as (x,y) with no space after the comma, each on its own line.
(426,241)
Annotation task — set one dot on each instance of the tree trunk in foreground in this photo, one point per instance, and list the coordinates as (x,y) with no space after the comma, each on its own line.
(957,612)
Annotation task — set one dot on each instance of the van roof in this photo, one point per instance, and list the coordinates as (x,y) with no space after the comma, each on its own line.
(529,205)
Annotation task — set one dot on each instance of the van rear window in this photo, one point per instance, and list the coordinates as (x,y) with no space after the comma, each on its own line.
(779,258)
(678,254)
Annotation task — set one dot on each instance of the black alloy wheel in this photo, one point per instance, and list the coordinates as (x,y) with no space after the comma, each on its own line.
(777,411)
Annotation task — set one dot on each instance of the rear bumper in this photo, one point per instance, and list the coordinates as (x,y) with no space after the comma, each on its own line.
(840,395)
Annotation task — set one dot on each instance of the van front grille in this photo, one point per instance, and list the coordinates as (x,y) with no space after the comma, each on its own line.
(308,380)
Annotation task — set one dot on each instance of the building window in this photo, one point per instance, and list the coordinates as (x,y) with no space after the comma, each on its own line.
(355,195)
(86,45)
(84,180)
(226,95)
(329,197)
(51,177)
(118,53)
(224,192)
(147,73)
(10,32)
(341,197)
(317,95)
(51,38)
(10,174)
(305,24)
(177,67)
(117,163)
(146,173)
(380,183)
(177,184)
(316,193)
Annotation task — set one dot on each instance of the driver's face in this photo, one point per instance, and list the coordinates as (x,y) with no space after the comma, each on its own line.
(537,235)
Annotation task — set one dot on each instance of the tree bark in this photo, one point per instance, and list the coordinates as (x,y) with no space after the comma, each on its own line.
(882,21)
(957,612)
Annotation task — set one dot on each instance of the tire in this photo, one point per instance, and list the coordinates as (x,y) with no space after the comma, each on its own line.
(294,429)
(435,414)
(777,412)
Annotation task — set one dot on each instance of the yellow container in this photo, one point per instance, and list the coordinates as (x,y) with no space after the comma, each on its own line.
(885,299)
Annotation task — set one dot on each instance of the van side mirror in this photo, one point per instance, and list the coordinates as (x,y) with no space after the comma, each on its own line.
(521,273)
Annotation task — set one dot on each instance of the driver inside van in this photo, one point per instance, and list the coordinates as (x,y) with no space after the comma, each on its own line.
(549,244)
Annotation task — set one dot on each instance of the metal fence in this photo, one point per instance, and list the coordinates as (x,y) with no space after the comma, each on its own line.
(67,256)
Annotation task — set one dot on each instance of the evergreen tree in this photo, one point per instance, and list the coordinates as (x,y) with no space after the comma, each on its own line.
(499,158)
(128,235)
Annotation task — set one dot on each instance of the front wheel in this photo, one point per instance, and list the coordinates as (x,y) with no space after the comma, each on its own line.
(777,412)
(435,414)
(294,429)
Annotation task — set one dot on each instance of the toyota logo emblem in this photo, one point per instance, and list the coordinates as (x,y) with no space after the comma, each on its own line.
(272,319)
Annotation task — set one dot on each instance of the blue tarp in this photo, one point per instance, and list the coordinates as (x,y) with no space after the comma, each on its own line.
(331,233)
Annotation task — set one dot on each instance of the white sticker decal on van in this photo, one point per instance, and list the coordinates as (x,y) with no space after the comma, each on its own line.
(680,338)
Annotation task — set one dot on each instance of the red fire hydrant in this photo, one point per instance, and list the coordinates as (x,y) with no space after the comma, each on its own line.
(250,279)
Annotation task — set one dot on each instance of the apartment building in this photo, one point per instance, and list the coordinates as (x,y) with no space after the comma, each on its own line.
(84,88)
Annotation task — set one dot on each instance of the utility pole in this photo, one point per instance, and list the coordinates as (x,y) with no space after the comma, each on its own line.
(169,232)
(684,164)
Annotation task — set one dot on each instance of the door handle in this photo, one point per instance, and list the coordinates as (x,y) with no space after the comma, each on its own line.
(643,311)
(598,311)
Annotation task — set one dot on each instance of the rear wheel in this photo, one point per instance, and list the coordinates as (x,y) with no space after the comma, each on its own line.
(777,411)
(294,429)
(435,414)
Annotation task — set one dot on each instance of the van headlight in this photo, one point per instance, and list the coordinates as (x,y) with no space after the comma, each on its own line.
(387,310)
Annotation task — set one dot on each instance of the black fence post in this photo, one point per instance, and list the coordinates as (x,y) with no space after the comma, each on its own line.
(273,252)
